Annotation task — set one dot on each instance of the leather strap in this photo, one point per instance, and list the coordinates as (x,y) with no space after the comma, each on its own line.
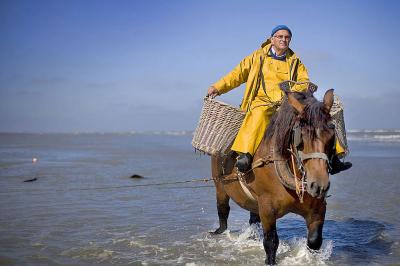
(313,155)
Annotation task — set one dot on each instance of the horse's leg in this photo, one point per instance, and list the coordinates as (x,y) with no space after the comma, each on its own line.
(222,207)
(254,218)
(271,243)
(268,220)
(222,198)
(315,223)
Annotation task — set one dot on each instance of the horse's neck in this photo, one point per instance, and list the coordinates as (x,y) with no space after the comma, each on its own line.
(268,149)
(275,153)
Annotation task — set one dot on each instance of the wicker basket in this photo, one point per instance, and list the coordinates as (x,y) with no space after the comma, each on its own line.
(218,126)
(338,120)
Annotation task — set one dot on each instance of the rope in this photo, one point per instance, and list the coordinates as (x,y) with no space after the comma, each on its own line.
(299,189)
(119,187)
(284,86)
(151,184)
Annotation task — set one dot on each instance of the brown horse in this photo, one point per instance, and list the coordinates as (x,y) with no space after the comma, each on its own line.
(270,183)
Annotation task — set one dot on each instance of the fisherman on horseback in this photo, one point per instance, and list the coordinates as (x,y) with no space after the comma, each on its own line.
(262,71)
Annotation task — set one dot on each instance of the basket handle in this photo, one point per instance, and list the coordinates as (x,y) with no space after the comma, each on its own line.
(284,85)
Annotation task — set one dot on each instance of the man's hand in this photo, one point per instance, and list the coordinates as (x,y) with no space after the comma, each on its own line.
(212,92)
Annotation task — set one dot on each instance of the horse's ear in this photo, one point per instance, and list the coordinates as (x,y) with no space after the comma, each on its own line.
(328,99)
(294,102)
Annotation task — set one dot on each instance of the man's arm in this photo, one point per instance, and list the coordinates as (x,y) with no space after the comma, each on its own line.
(233,79)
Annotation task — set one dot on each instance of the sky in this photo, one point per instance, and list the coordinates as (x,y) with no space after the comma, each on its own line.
(119,66)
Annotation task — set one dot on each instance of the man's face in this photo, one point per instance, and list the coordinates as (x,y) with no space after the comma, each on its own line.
(281,39)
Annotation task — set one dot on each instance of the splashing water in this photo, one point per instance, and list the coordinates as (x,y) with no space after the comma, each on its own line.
(246,247)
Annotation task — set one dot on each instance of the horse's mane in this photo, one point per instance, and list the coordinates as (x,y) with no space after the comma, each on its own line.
(315,116)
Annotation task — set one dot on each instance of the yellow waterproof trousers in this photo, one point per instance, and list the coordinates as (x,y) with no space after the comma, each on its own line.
(340,151)
(253,129)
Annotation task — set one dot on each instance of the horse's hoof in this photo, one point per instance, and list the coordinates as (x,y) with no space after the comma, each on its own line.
(254,219)
(270,262)
(218,231)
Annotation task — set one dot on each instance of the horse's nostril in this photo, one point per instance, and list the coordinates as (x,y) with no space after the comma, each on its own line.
(314,189)
(328,186)
(318,190)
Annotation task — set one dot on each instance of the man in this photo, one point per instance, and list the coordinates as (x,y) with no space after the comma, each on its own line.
(262,71)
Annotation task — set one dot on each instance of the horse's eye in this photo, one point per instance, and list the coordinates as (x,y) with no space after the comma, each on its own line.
(331,125)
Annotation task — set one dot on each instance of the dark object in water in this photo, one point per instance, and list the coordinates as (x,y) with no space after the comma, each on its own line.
(31,180)
(136,176)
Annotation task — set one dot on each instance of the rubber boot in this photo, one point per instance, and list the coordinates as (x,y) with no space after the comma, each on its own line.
(337,165)
(244,161)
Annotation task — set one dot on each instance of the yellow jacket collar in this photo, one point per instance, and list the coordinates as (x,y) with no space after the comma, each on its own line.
(267,45)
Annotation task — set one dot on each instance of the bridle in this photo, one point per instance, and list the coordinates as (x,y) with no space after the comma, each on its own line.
(297,139)
(299,157)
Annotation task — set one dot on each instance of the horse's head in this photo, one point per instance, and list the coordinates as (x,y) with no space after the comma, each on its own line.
(313,139)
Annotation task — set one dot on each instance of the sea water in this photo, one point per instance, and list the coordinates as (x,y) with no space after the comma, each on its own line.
(85,209)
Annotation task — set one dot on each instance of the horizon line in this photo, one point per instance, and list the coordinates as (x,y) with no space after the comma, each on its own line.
(155,132)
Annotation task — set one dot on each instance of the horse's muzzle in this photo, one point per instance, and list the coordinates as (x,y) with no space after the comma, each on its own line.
(318,190)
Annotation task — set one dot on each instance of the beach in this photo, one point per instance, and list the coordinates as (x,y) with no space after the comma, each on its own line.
(84,208)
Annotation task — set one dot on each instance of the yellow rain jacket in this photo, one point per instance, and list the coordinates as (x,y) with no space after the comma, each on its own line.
(262,92)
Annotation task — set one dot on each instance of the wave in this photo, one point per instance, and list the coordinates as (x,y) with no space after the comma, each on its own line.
(384,135)
(374,135)
(373,130)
